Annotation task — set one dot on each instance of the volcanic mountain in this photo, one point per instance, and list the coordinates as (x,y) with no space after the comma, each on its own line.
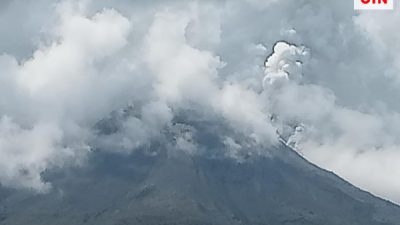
(160,185)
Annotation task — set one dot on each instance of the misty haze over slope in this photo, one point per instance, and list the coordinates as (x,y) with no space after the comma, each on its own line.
(317,74)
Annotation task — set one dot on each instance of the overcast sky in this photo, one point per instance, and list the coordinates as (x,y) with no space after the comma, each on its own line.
(322,76)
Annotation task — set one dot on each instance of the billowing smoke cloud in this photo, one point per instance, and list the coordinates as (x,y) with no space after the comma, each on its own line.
(113,76)
(49,99)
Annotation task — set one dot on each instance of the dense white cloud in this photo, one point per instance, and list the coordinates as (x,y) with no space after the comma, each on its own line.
(329,86)
(354,143)
(26,153)
(191,75)
(49,99)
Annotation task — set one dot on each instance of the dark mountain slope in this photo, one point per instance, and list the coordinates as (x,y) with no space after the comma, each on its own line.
(176,188)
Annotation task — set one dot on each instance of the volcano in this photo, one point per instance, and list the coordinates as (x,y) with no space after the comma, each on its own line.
(168,187)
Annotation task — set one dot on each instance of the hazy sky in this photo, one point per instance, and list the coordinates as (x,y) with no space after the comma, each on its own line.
(329,78)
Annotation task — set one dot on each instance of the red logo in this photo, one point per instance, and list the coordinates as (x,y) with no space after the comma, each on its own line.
(374,1)
(373,4)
